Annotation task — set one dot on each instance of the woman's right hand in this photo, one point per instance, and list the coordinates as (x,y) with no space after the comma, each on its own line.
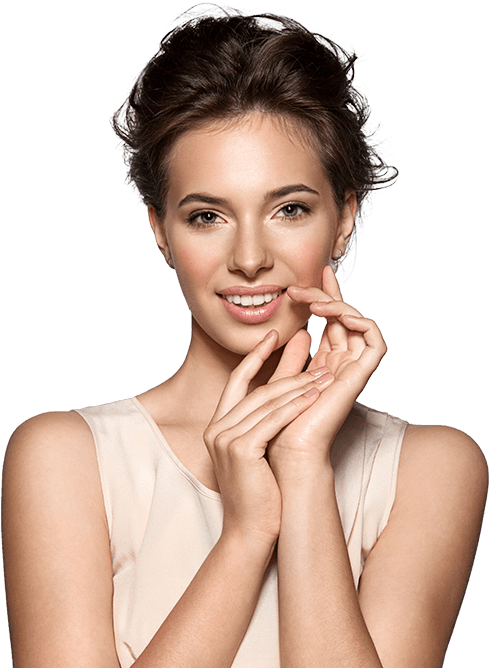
(238,435)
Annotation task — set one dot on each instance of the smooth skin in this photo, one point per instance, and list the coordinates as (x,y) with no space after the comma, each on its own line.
(249,396)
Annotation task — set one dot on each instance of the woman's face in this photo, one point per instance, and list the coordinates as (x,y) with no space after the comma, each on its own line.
(249,212)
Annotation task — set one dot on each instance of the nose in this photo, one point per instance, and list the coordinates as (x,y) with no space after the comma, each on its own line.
(250,252)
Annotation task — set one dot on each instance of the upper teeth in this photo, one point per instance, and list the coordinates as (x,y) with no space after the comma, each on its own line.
(252,300)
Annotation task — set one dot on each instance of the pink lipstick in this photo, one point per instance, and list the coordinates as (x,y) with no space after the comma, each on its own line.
(252,305)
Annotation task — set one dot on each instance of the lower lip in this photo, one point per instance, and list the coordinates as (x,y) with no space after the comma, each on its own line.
(253,315)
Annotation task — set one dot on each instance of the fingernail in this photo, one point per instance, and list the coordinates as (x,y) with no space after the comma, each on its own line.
(310,392)
(319,372)
(269,335)
(325,377)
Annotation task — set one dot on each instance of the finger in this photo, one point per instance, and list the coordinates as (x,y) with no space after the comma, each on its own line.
(294,356)
(274,407)
(368,327)
(268,397)
(356,343)
(332,337)
(333,309)
(330,289)
(307,295)
(265,429)
(239,380)
(330,283)
(337,335)
(375,347)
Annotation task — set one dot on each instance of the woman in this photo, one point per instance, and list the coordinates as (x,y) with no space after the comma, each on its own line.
(179,512)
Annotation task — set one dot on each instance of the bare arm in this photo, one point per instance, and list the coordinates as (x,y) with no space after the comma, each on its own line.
(57,553)
(59,573)
(414,579)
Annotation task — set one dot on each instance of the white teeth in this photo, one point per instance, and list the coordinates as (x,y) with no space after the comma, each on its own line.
(252,300)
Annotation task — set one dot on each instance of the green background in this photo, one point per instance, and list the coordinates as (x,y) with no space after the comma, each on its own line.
(94,315)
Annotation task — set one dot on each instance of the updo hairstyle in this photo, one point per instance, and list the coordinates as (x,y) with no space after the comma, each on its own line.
(222,68)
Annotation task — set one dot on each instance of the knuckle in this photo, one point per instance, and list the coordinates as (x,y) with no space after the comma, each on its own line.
(210,434)
(300,379)
(221,441)
(272,404)
(275,417)
(208,440)
(260,392)
(298,402)
(238,447)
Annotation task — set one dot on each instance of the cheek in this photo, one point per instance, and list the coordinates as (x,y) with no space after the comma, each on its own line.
(194,264)
(311,258)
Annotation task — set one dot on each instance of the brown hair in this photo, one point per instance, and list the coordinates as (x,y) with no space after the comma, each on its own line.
(220,68)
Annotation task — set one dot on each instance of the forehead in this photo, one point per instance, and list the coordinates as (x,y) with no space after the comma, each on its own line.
(249,154)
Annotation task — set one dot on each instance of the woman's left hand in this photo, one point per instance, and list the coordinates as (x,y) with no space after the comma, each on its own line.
(351,347)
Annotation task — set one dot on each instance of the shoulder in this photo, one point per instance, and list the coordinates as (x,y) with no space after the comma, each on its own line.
(446,459)
(56,547)
(430,540)
(51,426)
(56,433)
(441,487)
(51,454)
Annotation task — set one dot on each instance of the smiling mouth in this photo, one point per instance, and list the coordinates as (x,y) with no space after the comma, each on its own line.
(252,301)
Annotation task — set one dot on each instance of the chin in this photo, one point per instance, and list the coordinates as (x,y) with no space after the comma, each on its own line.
(244,342)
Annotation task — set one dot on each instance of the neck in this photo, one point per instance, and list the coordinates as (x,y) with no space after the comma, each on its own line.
(203,375)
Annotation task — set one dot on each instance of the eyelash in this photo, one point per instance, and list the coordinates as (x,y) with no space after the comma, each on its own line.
(296,205)
(192,218)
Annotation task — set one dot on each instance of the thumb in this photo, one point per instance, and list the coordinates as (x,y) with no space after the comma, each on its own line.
(294,356)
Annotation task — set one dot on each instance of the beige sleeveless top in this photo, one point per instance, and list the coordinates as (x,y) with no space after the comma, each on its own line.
(163,522)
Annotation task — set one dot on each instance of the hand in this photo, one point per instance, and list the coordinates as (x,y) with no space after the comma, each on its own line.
(351,347)
(238,435)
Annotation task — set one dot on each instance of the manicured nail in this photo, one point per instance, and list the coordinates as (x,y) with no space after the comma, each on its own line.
(325,377)
(320,371)
(270,334)
(310,392)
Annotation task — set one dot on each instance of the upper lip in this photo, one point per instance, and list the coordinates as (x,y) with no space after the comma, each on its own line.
(257,290)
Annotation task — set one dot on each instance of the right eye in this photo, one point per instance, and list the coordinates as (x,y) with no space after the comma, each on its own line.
(204,218)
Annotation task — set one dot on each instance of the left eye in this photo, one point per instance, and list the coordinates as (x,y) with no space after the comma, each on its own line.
(291,211)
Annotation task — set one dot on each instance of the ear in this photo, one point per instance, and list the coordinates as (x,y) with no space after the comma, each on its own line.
(160,236)
(346,223)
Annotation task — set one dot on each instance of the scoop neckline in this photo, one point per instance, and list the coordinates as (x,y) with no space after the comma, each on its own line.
(160,437)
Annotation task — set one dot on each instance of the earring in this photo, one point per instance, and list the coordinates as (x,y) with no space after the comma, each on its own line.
(338,255)
(168,259)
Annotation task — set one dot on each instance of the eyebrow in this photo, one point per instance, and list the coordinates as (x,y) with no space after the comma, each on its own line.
(273,194)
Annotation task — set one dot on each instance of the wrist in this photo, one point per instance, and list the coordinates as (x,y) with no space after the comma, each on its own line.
(305,479)
(301,468)
(250,545)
